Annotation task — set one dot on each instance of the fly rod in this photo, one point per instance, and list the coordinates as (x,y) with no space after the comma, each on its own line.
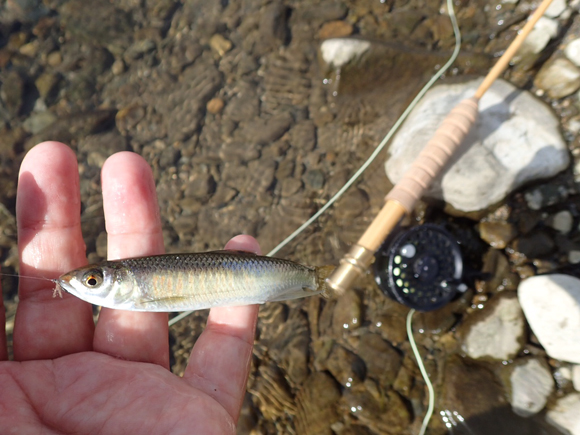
(402,198)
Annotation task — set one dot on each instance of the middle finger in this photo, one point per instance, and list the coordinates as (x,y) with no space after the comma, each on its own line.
(133,229)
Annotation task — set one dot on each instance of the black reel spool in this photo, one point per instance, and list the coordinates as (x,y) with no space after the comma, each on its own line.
(421,268)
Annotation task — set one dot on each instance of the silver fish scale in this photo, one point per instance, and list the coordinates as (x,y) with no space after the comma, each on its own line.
(226,277)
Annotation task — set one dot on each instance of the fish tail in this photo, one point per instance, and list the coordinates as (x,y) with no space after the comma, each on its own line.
(322,273)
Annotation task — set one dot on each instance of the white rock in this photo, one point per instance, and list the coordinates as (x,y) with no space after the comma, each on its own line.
(574,257)
(572,51)
(576,377)
(566,414)
(558,78)
(531,383)
(556,8)
(551,304)
(340,51)
(544,30)
(561,221)
(516,140)
(498,335)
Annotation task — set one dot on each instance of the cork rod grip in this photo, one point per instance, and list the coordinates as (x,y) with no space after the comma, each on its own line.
(446,140)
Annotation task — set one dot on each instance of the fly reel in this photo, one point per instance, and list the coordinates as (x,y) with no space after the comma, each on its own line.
(420,268)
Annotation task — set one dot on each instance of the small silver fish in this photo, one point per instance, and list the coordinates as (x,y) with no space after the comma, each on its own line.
(183,282)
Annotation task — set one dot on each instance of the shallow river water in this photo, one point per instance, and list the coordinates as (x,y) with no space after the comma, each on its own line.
(248,132)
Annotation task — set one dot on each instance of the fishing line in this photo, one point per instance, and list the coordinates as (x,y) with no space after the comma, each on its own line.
(423,371)
(375,153)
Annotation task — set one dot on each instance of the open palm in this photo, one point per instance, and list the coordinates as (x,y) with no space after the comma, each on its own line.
(70,376)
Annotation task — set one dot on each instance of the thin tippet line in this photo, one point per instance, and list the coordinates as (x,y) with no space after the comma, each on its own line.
(423,371)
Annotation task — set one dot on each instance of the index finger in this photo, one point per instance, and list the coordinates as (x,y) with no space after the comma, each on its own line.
(50,242)
(220,361)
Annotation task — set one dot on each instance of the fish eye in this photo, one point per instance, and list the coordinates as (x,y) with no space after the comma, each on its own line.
(93,278)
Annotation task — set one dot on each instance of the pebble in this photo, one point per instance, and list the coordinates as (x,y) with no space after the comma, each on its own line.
(551,304)
(566,414)
(47,84)
(555,9)
(544,30)
(561,221)
(497,234)
(12,92)
(30,49)
(545,195)
(346,367)
(335,29)
(558,78)
(572,51)
(535,244)
(314,178)
(492,166)
(339,51)
(574,257)
(531,385)
(118,67)
(38,122)
(215,105)
(273,28)
(220,44)
(54,59)
(496,332)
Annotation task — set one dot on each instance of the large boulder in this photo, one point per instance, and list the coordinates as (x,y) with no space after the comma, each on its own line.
(516,140)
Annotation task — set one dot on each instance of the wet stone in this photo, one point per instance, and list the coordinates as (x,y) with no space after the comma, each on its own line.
(235,150)
(139,49)
(497,234)
(47,85)
(185,225)
(561,221)
(290,186)
(223,196)
(202,186)
(105,25)
(347,368)
(347,313)
(546,195)
(314,179)
(335,29)
(262,132)
(220,45)
(558,78)
(12,92)
(500,277)
(272,393)
(215,105)
(316,405)
(535,244)
(303,135)
(531,384)
(320,13)
(496,332)
(128,117)
(289,348)
(382,360)
(245,105)
(273,28)
(38,121)
(384,414)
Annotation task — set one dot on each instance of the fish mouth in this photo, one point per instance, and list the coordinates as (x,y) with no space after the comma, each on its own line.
(62,283)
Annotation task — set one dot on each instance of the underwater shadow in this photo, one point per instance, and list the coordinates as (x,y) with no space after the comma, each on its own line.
(499,421)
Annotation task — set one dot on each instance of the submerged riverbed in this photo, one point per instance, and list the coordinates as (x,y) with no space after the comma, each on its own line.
(231,105)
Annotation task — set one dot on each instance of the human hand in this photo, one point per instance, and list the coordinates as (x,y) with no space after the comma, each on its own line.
(70,376)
